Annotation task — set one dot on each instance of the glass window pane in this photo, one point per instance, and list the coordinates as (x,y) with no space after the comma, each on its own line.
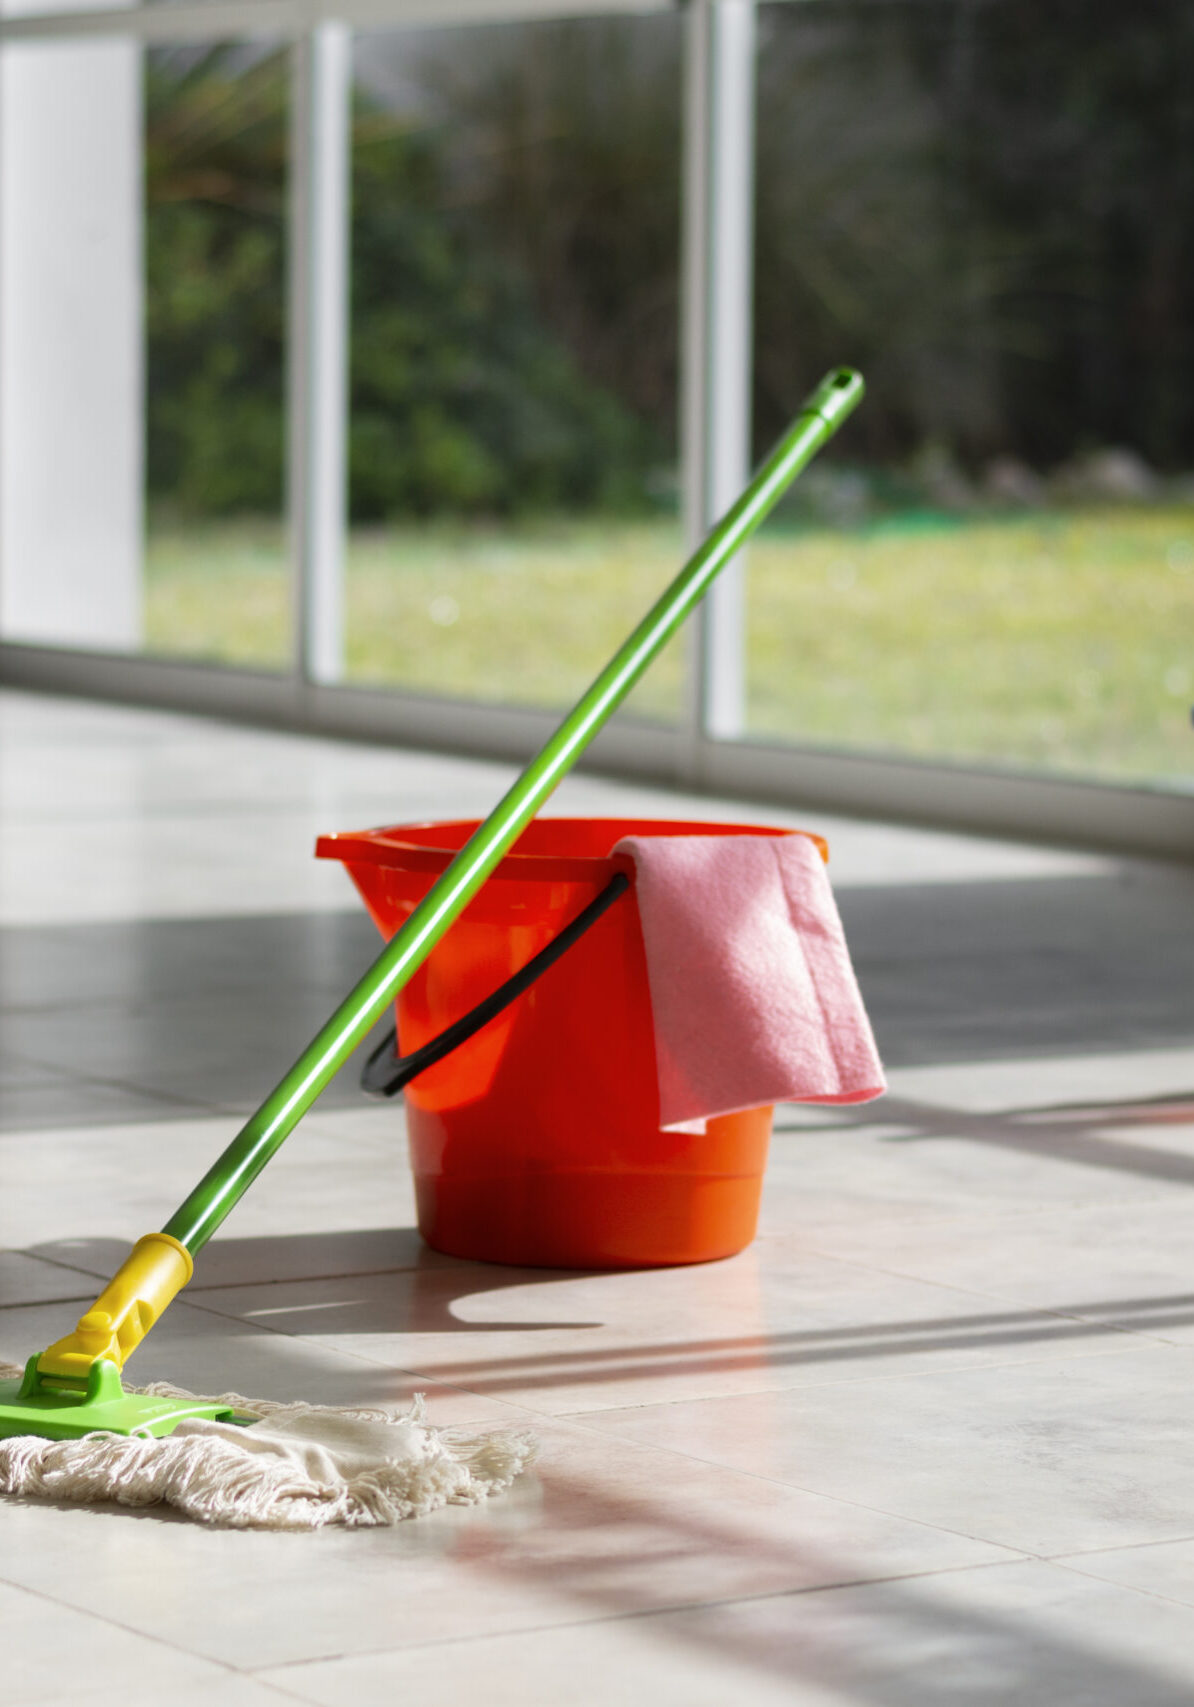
(216,583)
(988,210)
(514,281)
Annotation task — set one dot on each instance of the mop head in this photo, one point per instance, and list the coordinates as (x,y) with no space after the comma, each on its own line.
(295,1467)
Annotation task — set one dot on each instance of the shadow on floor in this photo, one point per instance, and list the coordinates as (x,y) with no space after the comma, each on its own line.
(155,1019)
(1077,1135)
(916,1641)
(419,1293)
(422,1288)
(525,1373)
(1057,966)
(111,1022)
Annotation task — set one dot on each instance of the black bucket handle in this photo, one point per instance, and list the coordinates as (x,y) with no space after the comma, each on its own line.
(385,1072)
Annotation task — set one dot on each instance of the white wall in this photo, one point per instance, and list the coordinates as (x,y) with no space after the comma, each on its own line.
(71,405)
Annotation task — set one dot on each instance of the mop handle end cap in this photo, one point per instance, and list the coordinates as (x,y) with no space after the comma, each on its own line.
(838,395)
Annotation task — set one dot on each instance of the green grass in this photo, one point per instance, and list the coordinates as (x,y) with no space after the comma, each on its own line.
(217,590)
(526,616)
(1062,641)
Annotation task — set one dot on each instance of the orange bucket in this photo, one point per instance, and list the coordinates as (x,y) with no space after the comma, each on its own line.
(537,1142)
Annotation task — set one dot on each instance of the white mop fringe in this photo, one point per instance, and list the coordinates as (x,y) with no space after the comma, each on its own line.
(311,1466)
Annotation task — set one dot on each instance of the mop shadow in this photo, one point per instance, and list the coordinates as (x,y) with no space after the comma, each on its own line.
(364,1281)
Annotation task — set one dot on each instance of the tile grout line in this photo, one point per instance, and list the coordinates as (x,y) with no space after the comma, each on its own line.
(1119,1547)
(129,1630)
(1131,1588)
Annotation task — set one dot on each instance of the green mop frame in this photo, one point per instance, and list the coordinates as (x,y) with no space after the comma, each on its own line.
(74,1387)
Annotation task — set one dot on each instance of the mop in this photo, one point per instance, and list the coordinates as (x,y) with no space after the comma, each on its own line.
(69,1427)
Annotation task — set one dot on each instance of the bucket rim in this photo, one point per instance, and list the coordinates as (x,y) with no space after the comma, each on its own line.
(395,846)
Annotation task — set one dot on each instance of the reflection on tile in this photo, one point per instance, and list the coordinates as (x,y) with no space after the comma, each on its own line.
(599,1527)
(118,1180)
(1142,1143)
(1014,1633)
(266,1260)
(1050,1457)
(381,1125)
(18,1073)
(180,818)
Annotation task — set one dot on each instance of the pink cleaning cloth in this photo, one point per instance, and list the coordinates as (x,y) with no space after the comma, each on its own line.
(753,994)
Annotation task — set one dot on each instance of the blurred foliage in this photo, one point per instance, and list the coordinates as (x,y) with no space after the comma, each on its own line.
(461,398)
(215,165)
(564,144)
(988,208)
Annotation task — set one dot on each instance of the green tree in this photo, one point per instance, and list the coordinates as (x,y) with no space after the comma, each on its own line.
(215,279)
(462,400)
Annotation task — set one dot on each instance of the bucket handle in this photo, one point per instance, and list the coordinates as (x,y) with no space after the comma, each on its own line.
(385,1072)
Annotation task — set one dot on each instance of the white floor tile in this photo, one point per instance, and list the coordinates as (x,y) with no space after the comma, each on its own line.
(1121,1265)
(52,1654)
(1049,1457)
(963,1334)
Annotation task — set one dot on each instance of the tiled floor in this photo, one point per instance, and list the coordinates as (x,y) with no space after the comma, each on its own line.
(929,1441)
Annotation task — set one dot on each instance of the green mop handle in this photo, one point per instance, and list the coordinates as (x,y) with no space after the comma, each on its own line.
(822,412)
